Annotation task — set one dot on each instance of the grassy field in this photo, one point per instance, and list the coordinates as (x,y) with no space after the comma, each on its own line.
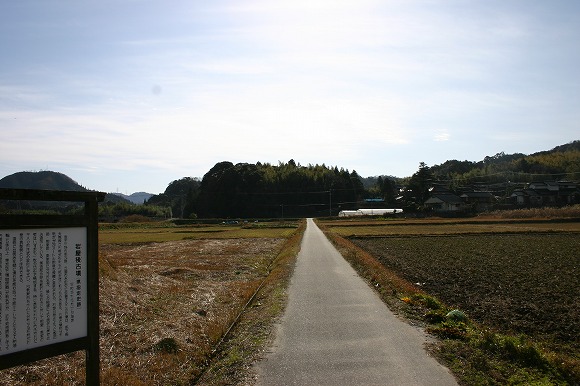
(515,281)
(131,234)
(169,295)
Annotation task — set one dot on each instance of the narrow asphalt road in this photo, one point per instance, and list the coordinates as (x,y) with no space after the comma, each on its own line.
(337,331)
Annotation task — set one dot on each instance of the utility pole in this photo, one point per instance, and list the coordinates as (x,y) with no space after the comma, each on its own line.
(330,203)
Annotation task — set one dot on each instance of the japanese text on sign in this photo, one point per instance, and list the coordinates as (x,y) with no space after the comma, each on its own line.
(43,287)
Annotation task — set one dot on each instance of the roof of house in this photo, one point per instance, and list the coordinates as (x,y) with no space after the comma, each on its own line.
(447,198)
(518,192)
(477,195)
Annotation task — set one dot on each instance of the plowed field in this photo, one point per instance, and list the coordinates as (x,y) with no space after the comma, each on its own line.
(519,283)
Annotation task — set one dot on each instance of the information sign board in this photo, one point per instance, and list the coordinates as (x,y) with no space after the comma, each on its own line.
(43,287)
(49,282)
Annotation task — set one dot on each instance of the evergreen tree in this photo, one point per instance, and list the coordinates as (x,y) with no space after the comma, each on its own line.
(420,183)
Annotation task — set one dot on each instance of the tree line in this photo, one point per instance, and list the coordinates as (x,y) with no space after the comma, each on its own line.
(263,190)
(288,189)
(560,163)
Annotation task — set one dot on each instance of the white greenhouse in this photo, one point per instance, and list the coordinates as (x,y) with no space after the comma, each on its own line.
(368,212)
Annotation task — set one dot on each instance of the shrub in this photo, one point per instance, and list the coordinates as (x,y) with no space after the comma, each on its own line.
(167,345)
(434,316)
(428,301)
(456,315)
(514,348)
(449,330)
(135,218)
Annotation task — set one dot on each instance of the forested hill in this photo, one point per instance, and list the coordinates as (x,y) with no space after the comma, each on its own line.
(49,180)
(263,190)
(45,180)
(286,189)
(290,189)
(562,162)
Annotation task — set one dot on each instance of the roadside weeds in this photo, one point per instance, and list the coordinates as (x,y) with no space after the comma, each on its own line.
(251,335)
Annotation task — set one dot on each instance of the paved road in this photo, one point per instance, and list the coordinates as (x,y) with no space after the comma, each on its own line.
(337,331)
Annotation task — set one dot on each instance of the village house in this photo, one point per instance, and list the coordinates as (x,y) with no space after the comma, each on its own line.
(479,201)
(484,198)
(551,193)
(445,202)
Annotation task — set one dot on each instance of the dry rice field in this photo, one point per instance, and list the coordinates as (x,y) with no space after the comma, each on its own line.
(167,296)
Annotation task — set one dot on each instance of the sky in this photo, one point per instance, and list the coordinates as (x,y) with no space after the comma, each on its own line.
(130,95)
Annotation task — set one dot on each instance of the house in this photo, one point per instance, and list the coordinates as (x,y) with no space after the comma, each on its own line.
(549,193)
(445,202)
(479,201)
(569,192)
(519,197)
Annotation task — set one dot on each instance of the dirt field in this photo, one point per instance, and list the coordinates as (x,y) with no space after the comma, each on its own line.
(515,279)
(517,283)
(163,308)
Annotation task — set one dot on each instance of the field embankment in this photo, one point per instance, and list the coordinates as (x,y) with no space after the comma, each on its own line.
(515,280)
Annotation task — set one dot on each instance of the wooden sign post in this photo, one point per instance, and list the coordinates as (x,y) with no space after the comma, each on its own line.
(49,281)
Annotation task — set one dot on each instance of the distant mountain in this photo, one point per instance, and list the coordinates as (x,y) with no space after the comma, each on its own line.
(136,198)
(45,180)
(48,180)
(115,199)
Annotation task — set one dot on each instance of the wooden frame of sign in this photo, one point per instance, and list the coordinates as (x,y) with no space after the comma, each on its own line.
(49,281)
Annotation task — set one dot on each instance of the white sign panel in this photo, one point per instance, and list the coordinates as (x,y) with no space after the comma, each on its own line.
(43,287)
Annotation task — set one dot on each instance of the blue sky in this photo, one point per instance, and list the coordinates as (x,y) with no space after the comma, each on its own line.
(129,95)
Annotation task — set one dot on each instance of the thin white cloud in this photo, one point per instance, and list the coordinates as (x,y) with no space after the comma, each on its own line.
(441,135)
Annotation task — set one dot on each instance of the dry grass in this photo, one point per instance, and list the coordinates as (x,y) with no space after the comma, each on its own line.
(565,212)
(164,305)
(436,227)
(146,234)
(233,363)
